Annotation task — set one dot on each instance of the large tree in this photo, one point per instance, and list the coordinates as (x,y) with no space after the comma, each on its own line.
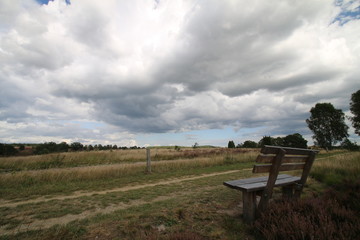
(355,110)
(327,124)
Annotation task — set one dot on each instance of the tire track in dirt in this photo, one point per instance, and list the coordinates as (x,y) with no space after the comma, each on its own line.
(121,189)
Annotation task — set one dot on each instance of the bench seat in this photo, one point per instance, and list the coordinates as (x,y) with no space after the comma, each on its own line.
(259,183)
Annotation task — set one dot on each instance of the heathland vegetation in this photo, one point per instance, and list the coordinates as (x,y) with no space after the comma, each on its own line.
(109,195)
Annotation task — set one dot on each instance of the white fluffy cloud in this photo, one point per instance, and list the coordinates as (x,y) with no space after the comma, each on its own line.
(92,68)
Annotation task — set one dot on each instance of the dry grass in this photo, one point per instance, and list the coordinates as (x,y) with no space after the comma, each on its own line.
(75,159)
(337,168)
(119,170)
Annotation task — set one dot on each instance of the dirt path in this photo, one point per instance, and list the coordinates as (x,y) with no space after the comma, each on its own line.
(34,224)
(47,223)
(122,189)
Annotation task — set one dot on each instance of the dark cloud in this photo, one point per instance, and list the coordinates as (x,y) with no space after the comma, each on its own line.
(181,66)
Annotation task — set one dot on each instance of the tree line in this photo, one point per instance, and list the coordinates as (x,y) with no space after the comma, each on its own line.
(327,124)
(295,140)
(53,147)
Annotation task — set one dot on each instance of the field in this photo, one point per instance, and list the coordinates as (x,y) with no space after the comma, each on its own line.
(109,194)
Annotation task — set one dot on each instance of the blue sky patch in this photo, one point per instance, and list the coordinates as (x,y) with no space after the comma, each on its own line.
(350,10)
(47,1)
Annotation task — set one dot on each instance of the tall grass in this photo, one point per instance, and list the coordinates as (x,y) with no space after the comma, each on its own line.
(337,168)
(22,180)
(75,159)
(71,159)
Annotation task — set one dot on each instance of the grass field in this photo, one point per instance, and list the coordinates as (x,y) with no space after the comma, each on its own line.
(109,194)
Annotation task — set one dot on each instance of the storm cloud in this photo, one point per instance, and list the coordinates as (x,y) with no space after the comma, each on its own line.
(88,69)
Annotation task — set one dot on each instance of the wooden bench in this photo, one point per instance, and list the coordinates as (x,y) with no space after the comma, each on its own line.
(273,159)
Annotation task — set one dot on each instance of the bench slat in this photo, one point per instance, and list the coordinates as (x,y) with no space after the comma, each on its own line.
(294,151)
(263,168)
(263,158)
(256,184)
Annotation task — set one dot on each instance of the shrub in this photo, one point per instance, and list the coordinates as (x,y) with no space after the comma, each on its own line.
(334,216)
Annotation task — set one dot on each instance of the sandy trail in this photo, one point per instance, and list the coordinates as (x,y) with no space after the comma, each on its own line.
(121,189)
(47,223)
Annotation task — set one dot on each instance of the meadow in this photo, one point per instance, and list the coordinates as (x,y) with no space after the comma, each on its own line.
(110,195)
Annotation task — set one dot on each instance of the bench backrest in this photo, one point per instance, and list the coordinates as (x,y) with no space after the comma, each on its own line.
(274,159)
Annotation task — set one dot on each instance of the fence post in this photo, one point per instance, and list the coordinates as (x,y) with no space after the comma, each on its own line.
(148,160)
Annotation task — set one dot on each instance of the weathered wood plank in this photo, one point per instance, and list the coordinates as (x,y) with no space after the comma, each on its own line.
(293,151)
(257,184)
(305,174)
(264,158)
(273,174)
(263,168)
(255,180)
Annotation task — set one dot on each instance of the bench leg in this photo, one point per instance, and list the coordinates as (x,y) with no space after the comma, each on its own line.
(249,206)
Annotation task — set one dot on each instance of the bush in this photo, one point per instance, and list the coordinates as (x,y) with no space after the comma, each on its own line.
(334,216)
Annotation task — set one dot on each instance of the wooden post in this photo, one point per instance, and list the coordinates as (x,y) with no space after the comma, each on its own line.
(148,160)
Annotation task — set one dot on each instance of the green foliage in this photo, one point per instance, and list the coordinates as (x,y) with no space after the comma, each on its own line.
(231,144)
(76,146)
(347,144)
(266,140)
(51,147)
(7,150)
(295,140)
(249,144)
(327,124)
(355,110)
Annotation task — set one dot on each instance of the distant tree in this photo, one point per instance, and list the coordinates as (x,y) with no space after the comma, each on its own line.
(115,147)
(22,147)
(90,147)
(7,150)
(279,141)
(266,140)
(231,144)
(347,144)
(327,124)
(195,145)
(51,146)
(249,144)
(76,146)
(295,140)
(355,110)
(62,147)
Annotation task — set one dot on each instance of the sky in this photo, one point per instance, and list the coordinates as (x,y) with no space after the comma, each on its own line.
(161,72)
